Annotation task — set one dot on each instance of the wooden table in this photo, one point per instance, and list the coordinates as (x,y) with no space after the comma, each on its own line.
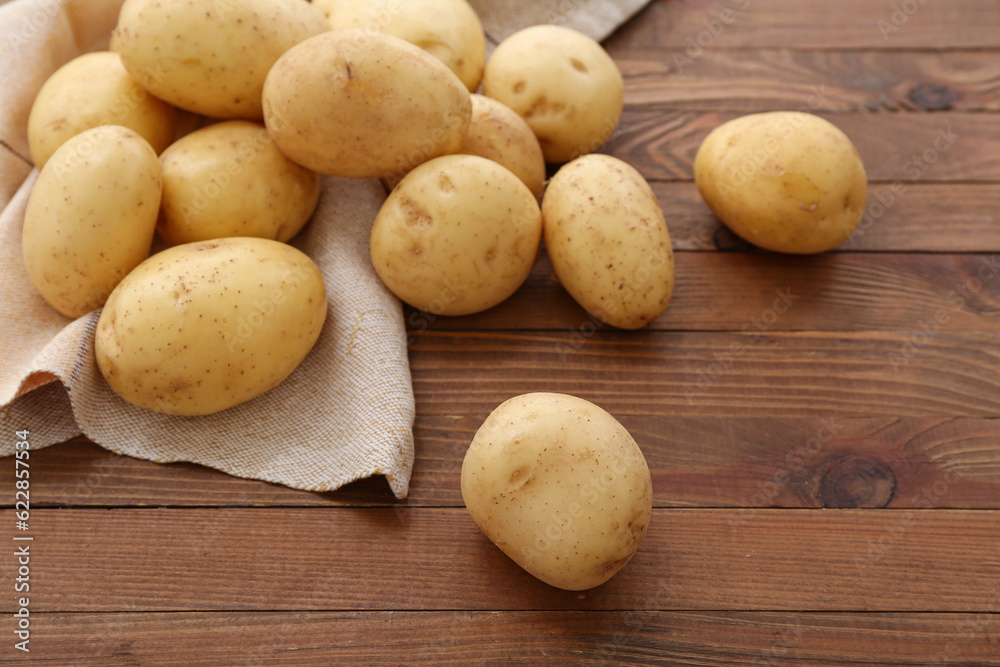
(828,494)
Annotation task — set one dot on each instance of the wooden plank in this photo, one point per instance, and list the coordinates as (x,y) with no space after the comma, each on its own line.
(846,24)
(729,291)
(694,462)
(358,559)
(923,218)
(468,638)
(838,81)
(831,462)
(661,143)
(713,374)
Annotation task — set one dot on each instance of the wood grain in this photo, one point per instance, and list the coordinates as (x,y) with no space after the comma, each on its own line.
(376,558)
(726,291)
(846,24)
(834,81)
(714,374)
(694,462)
(661,143)
(924,218)
(472,638)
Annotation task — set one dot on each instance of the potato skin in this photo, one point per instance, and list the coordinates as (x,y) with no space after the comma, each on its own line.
(458,235)
(560,486)
(229,179)
(364,105)
(201,327)
(90,217)
(563,83)
(449,30)
(608,241)
(787,181)
(211,58)
(92,90)
(497,133)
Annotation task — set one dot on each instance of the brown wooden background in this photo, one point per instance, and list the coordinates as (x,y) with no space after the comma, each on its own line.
(829,495)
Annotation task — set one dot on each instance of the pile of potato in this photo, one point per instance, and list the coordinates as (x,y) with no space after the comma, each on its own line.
(288,91)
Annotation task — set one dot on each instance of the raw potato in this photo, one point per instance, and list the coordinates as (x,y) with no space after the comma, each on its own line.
(90,217)
(229,179)
(211,57)
(201,327)
(89,91)
(608,241)
(499,134)
(449,30)
(364,105)
(560,486)
(786,181)
(458,235)
(563,83)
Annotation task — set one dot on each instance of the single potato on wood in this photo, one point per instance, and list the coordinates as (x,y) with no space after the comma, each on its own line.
(449,30)
(786,181)
(202,327)
(563,83)
(458,235)
(229,179)
(560,486)
(90,217)
(211,57)
(91,90)
(608,241)
(364,105)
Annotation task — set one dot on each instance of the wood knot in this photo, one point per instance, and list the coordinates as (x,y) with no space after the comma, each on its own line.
(932,97)
(858,481)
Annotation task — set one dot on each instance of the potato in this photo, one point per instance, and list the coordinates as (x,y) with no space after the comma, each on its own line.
(449,30)
(560,486)
(786,181)
(90,217)
(608,241)
(563,83)
(229,179)
(458,235)
(201,327)
(364,105)
(89,91)
(499,134)
(211,57)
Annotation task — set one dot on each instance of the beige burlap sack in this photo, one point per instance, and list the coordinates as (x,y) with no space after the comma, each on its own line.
(346,413)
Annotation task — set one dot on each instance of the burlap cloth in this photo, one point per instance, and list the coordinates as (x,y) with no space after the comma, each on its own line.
(346,413)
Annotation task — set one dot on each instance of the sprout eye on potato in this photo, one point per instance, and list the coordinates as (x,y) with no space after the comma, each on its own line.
(563,83)
(786,181)
(560,486)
